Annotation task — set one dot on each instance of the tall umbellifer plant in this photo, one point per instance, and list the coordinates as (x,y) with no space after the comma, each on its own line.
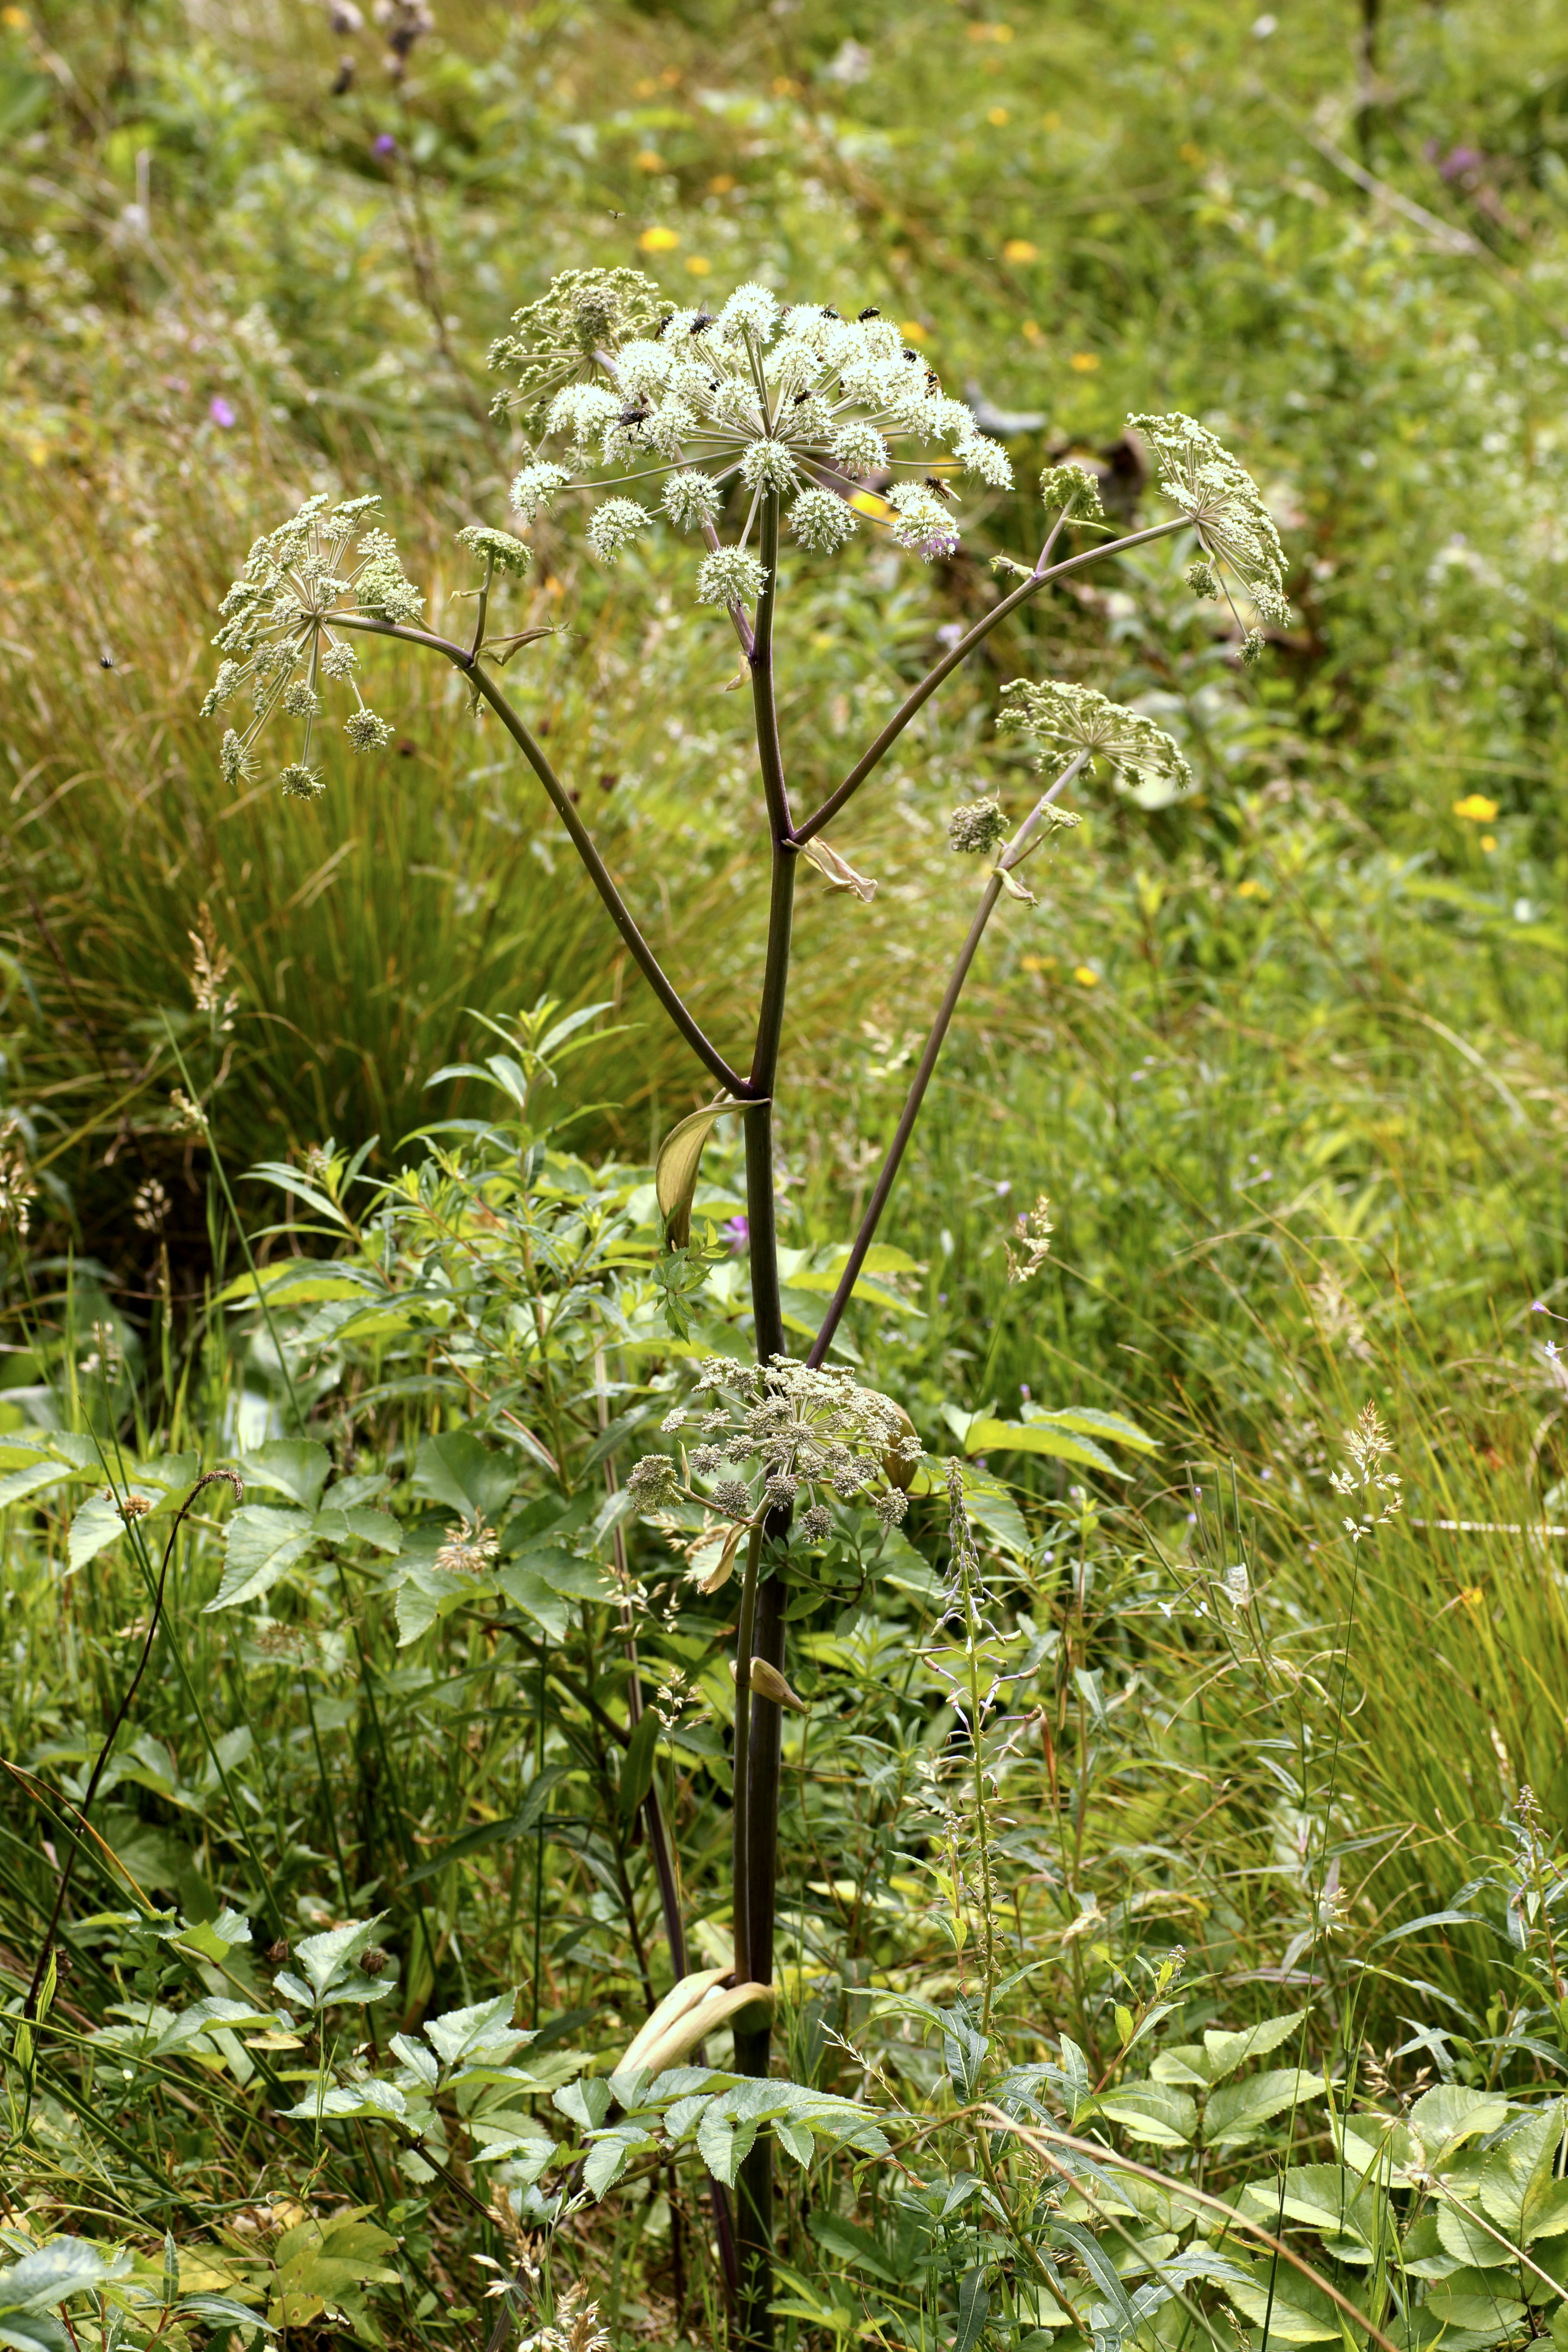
(752,425)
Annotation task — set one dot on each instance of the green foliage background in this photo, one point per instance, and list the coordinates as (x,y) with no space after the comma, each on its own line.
(1287,1059)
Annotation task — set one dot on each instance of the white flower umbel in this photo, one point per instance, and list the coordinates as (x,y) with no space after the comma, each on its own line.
(1225,507)
(772,404)
(279,635)
(1077,718)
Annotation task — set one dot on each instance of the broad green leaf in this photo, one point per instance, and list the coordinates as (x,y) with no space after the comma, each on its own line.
(1462,2235)
(1239,2111)
(455,1469)
(1088,1421)
(295,1467)
(528,1590)
(1518,2174)
(1470,2307)
(262,1545)
(1297,2313)
(1156,2112)
(1329,2198)
(1444,2118)
(221,2310)
(607,2159)
(984,1436)
(485,2025)
(587,2103)
(327,1959)
(676,1165)
(36,1478)
(96,1525)
(796,2139)
(377,1527)
(43,2280)
(1224,2052)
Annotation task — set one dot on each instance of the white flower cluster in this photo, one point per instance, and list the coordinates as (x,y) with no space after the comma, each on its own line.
(787,404)
(783,1432)
(1077,718)
(278,637)
(1225,506)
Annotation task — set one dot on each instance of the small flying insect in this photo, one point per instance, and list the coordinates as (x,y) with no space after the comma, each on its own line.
(703,318)
(870,311)
(637,414)
(934,482)
(105,659)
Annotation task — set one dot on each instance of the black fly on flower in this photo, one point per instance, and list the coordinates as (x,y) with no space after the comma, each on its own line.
(792,404)
(279,638)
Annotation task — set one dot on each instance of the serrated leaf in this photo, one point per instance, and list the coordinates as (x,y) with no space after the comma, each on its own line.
(33,1479)
(483,2026)
(1297,2312)
(1224,2052)
(262,1545)
(716,2143)
(1156,2112)
(1239,2111)
(96,1525)
(455,1468)
(587,2103)
(329,1957)
(796,2138)
(48,2276)
(1444,2118)
(295,1467)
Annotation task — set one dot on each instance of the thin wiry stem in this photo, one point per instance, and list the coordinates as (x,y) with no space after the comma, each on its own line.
(1017,849)
(599,874)
(915,701)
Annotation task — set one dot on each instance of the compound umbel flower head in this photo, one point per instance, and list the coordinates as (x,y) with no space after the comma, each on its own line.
(1225,507)
(1077,718)
(790,404)
(279,639)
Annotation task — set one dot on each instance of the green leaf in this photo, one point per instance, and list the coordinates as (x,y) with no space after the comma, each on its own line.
(853,2245)
(636,1764)
(96,1525)
(984,1436)
(974,2310)
(34,1479)
(455,1469)
(295,1467)
(1329,2198)
(1156,2112)
(485,2025)
(1462,2236)
(676,1165)
(1224,2052)
(221,2310)
(716,2143)
(1444,2118)
(377,1527)
(262,1545)
(1239,2111)
(327,1959)
(1088,1421)
(1298,2313)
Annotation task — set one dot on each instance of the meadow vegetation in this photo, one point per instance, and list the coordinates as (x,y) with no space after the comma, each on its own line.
(1125,1766)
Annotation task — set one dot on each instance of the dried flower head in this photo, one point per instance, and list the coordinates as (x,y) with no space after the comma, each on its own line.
(976,827)
(282,619)
(470,1549)
(209,971)
(1033,1233)
(149,1206)
(185,1117)
(576,2326)
(780,403)
(1074,719)
(1223,503)
(17,1189)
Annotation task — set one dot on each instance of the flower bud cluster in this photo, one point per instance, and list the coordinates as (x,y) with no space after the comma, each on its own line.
(278,636)
(1225,506)
(1074,719)
(976,827)
(781,1432)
